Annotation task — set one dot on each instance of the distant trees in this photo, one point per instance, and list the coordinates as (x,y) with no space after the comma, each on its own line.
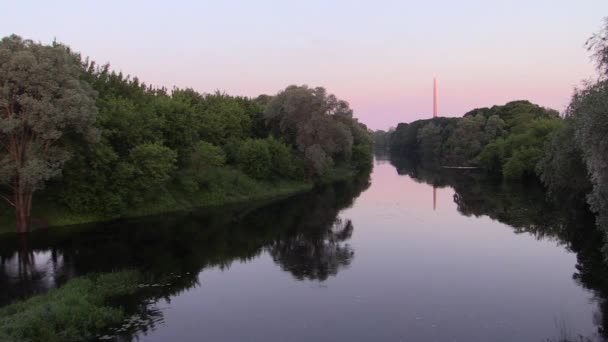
(520,151)
(522,140)
(507,140)
(429,140)
(381,139)
(317,124)
(42,103)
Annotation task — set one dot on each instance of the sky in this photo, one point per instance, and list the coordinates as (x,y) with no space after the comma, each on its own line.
(380,56)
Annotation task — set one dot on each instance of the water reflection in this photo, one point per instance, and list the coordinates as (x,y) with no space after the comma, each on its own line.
(413,273)
(526,209)
(304,235)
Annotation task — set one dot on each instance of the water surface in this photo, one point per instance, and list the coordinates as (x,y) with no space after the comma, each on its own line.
(408,255)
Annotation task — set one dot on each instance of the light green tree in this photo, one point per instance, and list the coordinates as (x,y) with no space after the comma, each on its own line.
(42,101)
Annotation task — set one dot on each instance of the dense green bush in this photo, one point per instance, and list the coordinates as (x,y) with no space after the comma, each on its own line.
(284,163)
(149,168)
(362,157)
(75,312)
(253,158)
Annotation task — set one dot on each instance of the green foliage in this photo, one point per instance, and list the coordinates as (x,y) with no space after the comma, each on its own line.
(493,155)
(515,112)
(429,140)
(42,100)
(318,161)
(471,134)
(77,311)
(404,141)
(589,110)
(317,124)
(148,168)
(205,155)
(381,139)
(284,163)
(521,151)
(221,117)
(254,158)
(363,157)
(561,168)
(505,140)
(152,140)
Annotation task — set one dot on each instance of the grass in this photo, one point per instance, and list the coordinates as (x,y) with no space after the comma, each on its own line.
(75,312)
(225,186)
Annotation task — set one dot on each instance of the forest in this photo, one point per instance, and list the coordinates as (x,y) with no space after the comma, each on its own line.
(522,141)
(95,144)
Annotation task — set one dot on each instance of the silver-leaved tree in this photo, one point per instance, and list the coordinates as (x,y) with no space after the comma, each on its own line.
(42,101)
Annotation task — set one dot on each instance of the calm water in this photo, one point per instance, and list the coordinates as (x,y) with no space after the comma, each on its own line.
(408,255)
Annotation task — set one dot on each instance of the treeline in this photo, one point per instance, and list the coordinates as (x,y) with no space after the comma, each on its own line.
(382,140)
(522,140)
(120,144)
(505,140)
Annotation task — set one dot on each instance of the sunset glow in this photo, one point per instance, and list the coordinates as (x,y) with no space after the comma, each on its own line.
(380,56)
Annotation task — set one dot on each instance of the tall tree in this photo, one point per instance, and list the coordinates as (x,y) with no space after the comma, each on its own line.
(42,101)
(589,109)
(317,124)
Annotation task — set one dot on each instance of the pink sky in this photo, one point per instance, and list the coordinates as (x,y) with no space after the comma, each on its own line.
(380,56)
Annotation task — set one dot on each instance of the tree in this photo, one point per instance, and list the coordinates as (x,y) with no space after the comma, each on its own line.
(429,139)
(589,108)
(149,167)
(42,100)
(284,164)
(202,158)
(254,158)
(317,124)
(561,168)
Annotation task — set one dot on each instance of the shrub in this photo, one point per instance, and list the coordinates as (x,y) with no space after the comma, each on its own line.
(75,312)
(362,157)
(254,158)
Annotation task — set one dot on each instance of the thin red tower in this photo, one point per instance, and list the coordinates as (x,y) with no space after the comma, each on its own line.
(434,115)
(434,97)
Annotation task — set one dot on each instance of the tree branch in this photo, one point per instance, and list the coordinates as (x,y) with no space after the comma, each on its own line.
(8,200)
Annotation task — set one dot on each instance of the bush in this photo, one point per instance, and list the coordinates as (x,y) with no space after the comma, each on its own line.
(203,158)
(254,158)
(284,163)
(362,158)
(205,155)
(150,166)
(75,312)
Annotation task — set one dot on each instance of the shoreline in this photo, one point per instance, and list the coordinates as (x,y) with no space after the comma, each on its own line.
(61,217)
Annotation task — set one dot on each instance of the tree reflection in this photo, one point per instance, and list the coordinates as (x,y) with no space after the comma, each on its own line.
(527,209)
(317,255)
(304,235)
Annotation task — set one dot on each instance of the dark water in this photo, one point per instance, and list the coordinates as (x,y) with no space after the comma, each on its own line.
(364,260)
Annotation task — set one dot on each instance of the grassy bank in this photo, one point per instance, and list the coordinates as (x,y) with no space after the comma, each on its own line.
(74,312)
(231,187)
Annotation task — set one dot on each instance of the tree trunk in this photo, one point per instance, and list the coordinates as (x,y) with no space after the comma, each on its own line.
(23,202)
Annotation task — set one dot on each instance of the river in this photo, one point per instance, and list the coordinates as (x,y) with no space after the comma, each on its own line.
(406,255)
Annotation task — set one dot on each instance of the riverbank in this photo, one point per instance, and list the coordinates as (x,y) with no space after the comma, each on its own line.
(76,311)
(237,188)
(50,213)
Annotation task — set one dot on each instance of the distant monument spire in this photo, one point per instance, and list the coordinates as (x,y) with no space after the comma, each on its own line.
(434,97)
(434,197)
